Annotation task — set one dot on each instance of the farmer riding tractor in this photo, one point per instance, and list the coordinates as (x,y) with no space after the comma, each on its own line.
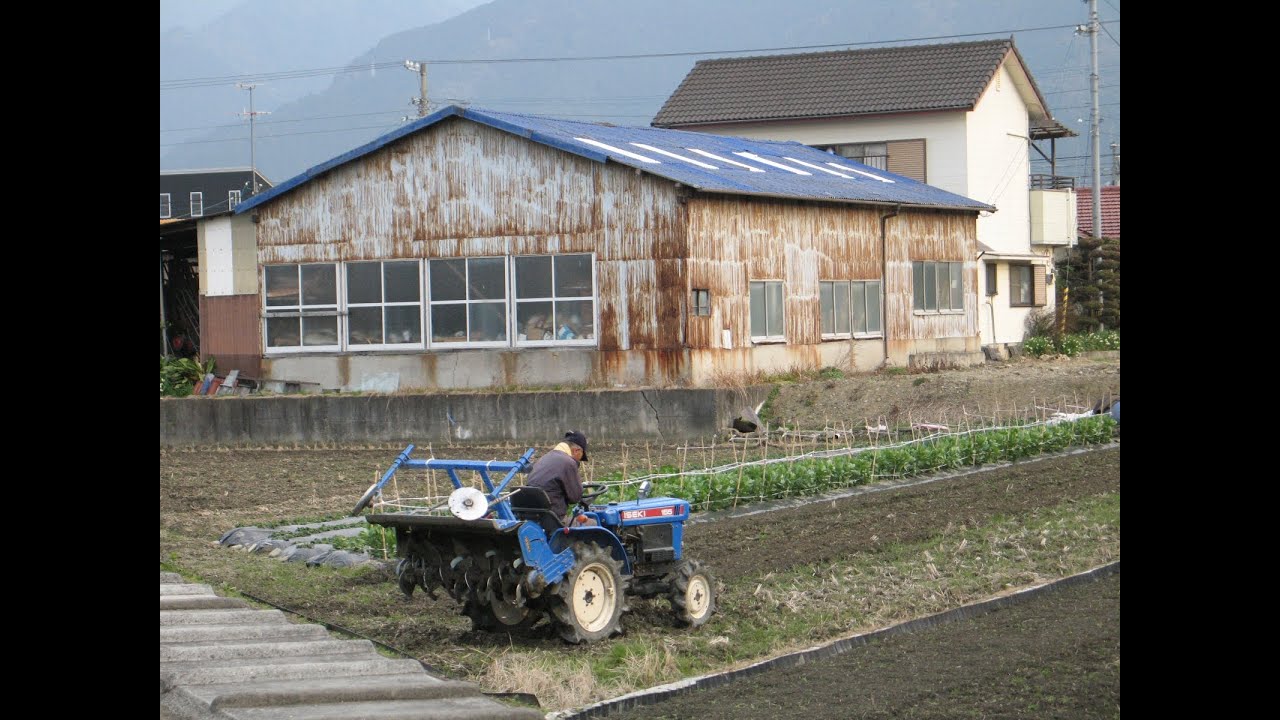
(510,560)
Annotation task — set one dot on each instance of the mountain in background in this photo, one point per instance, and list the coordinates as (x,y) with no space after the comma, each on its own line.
(268,36)
(355,107)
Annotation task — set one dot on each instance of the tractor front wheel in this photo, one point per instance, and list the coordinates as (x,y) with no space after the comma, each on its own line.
(693,594)
(591,598)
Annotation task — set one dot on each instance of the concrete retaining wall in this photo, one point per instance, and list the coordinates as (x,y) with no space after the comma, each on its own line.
(533,417)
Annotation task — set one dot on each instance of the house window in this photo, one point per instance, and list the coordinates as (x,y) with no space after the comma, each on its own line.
(701,302)
(469,301)
(384,303)
(938,286)
(875,155)
(166,208)
(555,299)
(301,306)
(766,310)
(197,204)
(233,199)
(992,288)
(850,308)
(1027,286)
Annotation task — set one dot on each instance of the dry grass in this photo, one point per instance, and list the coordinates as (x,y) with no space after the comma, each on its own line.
(557,682)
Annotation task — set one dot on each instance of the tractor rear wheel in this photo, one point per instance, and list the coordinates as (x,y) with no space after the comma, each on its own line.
(693,594)
(589,603)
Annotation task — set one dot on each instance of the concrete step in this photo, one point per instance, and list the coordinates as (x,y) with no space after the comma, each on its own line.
(170,577)
(220,617)
(239,649)
(208,672)
(330,690)
(185,589)
(256,631)
(199,602)
(473,708)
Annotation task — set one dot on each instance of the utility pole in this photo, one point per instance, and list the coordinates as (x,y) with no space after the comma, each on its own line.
(253,164)
(421,100)
(1095,139)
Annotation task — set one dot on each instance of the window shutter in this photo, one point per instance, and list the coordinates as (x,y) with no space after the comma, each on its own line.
(906,157)
(1041,291)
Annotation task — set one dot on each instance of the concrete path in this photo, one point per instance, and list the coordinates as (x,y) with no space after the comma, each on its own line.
(221,658)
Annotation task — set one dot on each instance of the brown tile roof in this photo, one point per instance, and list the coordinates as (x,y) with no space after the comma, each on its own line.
(1110,202)
(833,84)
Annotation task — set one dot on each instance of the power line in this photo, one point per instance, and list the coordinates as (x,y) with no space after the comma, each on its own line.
(1059,92)
(363,127)
(1113,37)
(294,74)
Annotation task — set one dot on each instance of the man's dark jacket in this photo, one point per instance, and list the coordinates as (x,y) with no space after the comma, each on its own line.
(557,474)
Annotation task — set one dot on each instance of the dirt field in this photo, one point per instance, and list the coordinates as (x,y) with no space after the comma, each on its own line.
(205,493)
(1055,656)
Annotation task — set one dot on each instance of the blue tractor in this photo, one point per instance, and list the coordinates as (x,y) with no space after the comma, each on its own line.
(511,561)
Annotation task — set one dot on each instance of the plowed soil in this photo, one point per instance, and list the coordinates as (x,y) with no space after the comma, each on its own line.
(1061,660)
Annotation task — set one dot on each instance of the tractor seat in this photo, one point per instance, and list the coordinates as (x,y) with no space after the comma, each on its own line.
(531,503)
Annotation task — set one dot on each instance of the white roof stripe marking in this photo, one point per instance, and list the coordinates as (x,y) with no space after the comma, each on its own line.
(660,151)
(816,167)
(877,177)
(619,151)
(713,156)
(757,158)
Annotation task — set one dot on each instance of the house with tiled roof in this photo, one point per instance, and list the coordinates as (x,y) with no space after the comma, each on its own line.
(964,117)
(1109,204)
(473,248)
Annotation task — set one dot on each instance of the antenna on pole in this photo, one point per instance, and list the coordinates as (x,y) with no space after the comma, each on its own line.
(251,114)
(421,101)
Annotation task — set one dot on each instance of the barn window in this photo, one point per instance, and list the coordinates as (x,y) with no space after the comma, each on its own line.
(300,303)
(233,199)
(555,299)
(850,309)
(938,286)
(166,208)
(197,204)
(384,303)
(469,301)
(701,302)
(766,310)
(1027,286)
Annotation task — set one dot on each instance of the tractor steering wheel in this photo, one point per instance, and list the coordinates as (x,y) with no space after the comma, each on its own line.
(588,497)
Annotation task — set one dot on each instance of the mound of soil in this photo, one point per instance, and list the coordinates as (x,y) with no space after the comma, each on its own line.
(1019,387)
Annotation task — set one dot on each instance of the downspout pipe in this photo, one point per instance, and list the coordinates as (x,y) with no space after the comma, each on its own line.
(884,275)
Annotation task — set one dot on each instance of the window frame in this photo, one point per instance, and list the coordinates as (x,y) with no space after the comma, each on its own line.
(166,206)
(467,303)
(303,310)
(348,306)
(1016,269)
(233,199)
(993,279)
(700,302)
(855,288)
(515,301)
(781,336)
(925,280)
(197,197)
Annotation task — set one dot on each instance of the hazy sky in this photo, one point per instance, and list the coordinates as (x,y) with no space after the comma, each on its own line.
(192,13)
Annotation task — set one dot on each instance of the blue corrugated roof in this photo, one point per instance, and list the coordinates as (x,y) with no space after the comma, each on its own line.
(729,171)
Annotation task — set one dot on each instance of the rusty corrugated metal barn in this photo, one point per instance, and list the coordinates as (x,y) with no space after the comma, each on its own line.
(475,249)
